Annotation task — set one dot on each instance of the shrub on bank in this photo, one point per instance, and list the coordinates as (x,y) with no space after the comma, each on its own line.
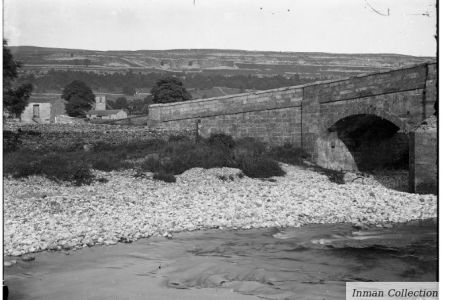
(179,157)
(11,141)
(260,167)
(218,151)
(108,163)
(163,158)
(248,147)
(289,154)
(20,164)
(167,177)
(81,175)
(221,140)
(151,165)
(53,166)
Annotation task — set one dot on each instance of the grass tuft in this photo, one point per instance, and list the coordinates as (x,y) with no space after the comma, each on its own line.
(260,167)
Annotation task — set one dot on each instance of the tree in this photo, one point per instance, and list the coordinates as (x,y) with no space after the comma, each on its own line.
(137,107)
(141,106)
(148,99)
(15,98)
(79,98)
(169,89)
(121,103)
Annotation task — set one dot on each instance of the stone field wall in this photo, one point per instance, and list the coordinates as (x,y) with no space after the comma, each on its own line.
(71,136)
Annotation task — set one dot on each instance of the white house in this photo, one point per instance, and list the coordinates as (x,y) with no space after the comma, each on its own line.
(111,114)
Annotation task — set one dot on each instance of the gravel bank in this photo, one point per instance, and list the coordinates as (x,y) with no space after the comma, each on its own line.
(42,215)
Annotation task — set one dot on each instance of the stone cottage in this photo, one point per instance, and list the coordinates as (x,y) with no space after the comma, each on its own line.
(43,110)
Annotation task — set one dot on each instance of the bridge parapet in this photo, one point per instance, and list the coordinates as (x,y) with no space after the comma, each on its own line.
(227,105)
(357,87)
(367,85)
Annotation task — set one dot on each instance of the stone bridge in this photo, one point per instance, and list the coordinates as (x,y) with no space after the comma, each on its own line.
(359,123)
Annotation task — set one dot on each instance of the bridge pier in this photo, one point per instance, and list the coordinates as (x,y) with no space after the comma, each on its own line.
(423,160)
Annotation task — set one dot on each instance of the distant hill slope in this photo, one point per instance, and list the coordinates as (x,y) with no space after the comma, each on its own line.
(225,62)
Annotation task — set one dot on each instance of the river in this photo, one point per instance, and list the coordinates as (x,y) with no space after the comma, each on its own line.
(312,262)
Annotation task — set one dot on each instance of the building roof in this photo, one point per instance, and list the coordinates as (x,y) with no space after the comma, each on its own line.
(104,112)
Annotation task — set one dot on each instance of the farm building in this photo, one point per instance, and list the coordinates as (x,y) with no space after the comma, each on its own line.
(111,114)
(43,110)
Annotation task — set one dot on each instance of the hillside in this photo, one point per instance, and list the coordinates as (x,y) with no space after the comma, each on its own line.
(224,62)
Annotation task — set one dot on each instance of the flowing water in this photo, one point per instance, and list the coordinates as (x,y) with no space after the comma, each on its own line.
(312,262)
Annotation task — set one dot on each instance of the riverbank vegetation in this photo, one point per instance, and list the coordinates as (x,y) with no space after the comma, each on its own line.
(163,157)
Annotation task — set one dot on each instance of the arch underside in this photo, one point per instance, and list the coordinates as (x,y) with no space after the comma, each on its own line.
(364,142)
(369,110)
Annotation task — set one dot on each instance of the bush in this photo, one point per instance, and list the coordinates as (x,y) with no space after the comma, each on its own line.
(31,132)
(108,164)
(108,157)
(164,159)
(11,141)
(151,165)
(288,154)
(248,155)
(53,166)
(59,168)
(199,155)
(167,177)
(178,157)
(221,140)
(248,147)
(81,174)
(260,167)
(21,164)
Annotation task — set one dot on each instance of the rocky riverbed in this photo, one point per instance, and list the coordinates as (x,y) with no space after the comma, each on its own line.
(43,215)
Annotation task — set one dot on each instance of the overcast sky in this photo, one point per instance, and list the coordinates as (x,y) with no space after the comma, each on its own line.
(339,26)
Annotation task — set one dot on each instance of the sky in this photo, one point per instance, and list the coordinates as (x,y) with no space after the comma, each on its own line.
(336,26)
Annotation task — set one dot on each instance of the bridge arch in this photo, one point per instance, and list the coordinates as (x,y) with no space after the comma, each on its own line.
(364,141)
(370,110)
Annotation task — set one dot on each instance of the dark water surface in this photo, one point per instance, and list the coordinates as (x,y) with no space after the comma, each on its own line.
(312,262)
